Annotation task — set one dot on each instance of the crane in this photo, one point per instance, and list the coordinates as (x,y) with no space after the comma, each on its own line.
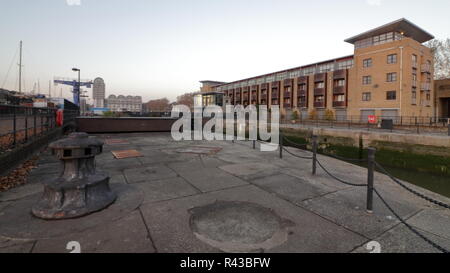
(76,85)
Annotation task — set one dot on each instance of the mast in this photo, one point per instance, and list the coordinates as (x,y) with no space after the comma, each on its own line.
(20,69)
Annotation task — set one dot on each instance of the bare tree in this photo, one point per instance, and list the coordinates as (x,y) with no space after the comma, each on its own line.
(441,51)
(160,105)
(186,99)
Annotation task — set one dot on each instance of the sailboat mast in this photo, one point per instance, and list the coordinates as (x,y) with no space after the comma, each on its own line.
(20,69)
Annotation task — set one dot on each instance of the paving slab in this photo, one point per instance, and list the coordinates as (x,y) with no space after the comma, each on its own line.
(210,179)
(169,224)
(166,189)
(433,221)
(251,171)
(20,192)
(126,235)
(17,221)
(401,240)
(146,174)
(18,247)
(348,208)
(290,188)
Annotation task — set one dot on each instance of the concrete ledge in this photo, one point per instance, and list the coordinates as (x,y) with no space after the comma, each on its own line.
(124,125)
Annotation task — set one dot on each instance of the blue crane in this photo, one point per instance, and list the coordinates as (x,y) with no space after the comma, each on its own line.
(75,85)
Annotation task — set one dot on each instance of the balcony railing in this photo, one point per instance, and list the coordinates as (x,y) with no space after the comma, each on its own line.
(339,90)
(339,104)
(302,105)
(319,104)
(319,91)
(287,94)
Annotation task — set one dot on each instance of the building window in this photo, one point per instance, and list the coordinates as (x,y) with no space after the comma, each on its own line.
(414,96)
(319,99)
(367,80)
(414,60)
(391,95)
(302,87)
(392,59)
(319,85)
(339,98)
(366,96)
(367,63)
(338,83)
(391,77)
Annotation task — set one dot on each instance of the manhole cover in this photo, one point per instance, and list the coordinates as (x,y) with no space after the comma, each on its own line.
(239,226)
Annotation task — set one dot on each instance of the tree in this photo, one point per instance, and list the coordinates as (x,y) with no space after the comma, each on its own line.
(441,51)
(186,99)
(159,105)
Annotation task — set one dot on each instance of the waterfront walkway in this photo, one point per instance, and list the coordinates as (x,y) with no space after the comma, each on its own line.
(221,196)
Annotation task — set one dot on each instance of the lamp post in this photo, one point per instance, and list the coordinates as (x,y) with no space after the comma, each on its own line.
(77,89)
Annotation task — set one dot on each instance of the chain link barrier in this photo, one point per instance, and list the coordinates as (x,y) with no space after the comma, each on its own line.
(338,179)
(291,153)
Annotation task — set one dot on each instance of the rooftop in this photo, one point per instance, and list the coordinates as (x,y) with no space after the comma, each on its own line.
(401,26)
(179,196)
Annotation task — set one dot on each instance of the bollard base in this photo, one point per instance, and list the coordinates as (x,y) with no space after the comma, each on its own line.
(72,199)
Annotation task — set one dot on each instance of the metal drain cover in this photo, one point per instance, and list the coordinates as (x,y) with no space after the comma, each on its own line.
(239,226)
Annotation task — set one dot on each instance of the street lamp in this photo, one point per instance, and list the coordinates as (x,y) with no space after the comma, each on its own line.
(78,88)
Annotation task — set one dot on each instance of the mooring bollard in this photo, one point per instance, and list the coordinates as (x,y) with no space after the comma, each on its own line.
(80,189)
(281,145)
(314,161)
(370,177)
(449,127)
(254,144)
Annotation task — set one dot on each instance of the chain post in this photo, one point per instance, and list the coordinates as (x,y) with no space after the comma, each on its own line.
(370,178)
(254,144)
(314,161)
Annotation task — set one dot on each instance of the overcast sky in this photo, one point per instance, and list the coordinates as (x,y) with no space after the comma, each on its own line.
(164,48)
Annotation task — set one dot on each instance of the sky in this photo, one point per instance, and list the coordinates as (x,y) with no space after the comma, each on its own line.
(158,49)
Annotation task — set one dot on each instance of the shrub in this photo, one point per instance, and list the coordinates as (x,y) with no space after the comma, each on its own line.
(329,115)
(312,114)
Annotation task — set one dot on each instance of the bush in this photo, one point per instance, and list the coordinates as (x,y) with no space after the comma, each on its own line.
(295,115)
(329,115)
(312,114)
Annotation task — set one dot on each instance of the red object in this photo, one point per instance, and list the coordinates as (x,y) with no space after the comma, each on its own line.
(372,119)
(59,118)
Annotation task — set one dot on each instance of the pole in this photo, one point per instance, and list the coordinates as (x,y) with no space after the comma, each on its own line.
(20,69)
(14,126)
(254,143)
(370,178)
(314,148)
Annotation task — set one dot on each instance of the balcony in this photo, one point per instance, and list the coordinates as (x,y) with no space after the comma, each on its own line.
(287,105)
(340,74)
(339,104)
(425,68)
(287,94)
(275,95)
(303,80)
(338,90)
(302,105)
(414,83)
(288,82)
(321,77)
(426,86)
(302,93)
(319,92)
(319,104)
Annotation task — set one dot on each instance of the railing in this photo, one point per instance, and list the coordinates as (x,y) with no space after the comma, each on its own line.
(20,125)
(407,124)
(425,68)
(372,165)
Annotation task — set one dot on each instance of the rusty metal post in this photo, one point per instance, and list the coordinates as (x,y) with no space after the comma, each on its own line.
(370,178)
(314,161)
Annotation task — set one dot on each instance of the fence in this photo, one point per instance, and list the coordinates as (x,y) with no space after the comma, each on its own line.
(20,125)
(405,124)
(372,165)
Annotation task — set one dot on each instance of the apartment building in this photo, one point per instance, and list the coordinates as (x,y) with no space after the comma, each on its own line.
(390,74)
(124,103)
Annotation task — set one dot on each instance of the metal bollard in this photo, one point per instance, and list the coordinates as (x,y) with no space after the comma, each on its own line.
(314,161)
(370,178)
(449,128)
(254,144)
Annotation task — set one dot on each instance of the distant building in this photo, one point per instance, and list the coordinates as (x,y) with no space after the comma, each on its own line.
(124,104)
(389,75)
(98,93)
(442,89)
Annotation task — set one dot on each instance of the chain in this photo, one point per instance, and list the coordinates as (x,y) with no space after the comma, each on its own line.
(433,244)
(338,179)
(429,199)
(302,157)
